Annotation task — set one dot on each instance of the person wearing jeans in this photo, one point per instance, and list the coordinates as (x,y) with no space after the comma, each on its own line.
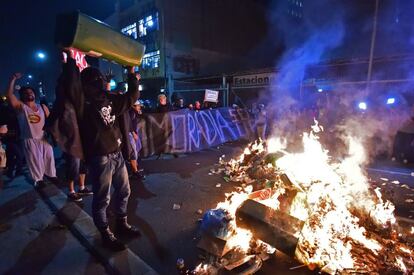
(95,135)
(105,171)
(102,140)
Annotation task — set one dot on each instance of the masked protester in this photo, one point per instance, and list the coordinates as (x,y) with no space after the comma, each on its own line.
(97,115)
(102,140)
(31,117)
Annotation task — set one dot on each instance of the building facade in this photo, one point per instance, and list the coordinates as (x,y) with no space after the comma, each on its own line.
(188,38)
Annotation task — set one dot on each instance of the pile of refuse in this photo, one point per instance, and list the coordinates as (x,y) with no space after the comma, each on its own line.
(307,211)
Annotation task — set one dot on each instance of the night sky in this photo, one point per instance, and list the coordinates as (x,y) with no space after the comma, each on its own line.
(28,26)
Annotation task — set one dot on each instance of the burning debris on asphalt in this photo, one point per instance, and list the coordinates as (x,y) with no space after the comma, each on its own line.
(322,212)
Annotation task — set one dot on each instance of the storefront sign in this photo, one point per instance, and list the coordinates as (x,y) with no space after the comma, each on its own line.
(264,79)
(211,96)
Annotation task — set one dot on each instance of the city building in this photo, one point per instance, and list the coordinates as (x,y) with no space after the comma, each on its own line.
(187,39)
(235,46)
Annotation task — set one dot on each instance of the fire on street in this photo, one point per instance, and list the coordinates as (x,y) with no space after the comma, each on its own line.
(338,235)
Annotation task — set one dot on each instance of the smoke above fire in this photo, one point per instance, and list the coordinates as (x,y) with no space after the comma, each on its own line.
(332,30)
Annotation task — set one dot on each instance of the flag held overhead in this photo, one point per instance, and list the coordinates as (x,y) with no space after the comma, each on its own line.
(95,38)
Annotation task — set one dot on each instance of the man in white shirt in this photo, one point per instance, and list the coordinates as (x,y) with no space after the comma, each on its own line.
(31,116)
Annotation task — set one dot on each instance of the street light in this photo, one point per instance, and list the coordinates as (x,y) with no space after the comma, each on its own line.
(30,76)
(41,55)
(362,105)
(390,100)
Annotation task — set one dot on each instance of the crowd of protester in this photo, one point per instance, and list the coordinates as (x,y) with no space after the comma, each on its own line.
(23,123)
(97,131)
(164,106)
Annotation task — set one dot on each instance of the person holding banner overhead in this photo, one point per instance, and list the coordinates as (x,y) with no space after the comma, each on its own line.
(102,140)
(96,117)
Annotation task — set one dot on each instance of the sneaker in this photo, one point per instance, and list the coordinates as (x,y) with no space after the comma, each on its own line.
(123,228)
(74,197)
(111,242)
(85,192)
(139,175)
(39,184)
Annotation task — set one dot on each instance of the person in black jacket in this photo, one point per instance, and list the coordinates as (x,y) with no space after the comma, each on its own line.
(163,104)
(86,124)
(102,140)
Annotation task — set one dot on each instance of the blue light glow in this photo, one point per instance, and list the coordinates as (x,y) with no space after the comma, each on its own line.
(112,83)
(362,106)
(30,76)
(41,55)
(320,90)
(390,100)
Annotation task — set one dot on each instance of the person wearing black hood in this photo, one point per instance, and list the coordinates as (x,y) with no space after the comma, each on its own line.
(83,102)
(102,139)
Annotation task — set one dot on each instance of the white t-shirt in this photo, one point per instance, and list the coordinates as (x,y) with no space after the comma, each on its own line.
(31,122)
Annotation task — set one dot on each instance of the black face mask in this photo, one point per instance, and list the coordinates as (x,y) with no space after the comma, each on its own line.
(99,83)
(95,88)
(92,92)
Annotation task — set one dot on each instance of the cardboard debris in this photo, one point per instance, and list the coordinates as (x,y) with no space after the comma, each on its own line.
(269,225)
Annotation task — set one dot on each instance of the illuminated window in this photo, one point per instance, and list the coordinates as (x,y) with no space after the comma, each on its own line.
(130,30)
(151,60)
(148,24)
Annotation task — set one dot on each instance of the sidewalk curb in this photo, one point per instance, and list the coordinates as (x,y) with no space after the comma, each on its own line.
(82,227)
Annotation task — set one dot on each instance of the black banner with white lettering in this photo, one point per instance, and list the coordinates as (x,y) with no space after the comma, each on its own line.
(188,131)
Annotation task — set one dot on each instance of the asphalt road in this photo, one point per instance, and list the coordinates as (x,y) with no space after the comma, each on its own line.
(168,234)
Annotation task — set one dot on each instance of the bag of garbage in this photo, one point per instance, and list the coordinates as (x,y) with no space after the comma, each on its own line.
(216,222)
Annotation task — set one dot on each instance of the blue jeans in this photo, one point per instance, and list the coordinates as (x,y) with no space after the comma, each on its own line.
(104,171)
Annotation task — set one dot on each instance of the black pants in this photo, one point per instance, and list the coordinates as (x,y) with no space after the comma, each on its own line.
(74,167)
(15,156)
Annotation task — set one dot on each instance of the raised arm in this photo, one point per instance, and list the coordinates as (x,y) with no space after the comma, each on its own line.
(13,100)
(121,103)
(69,85)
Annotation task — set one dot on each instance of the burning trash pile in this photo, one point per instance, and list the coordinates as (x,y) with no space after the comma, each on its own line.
(320,211)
